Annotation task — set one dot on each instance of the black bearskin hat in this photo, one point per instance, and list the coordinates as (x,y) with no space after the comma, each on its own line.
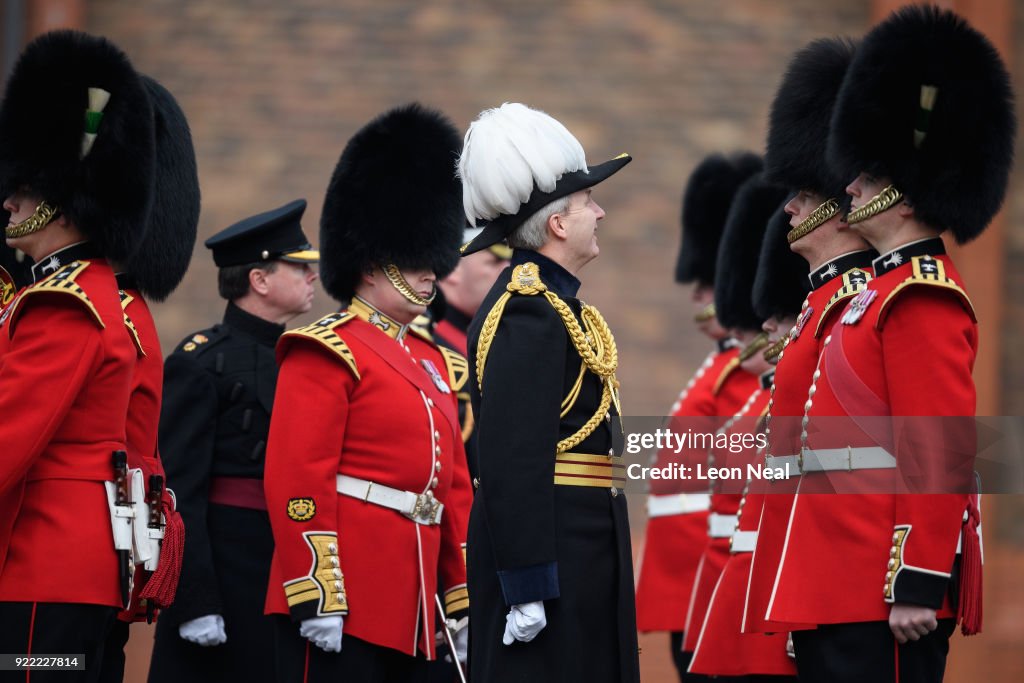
(799,121)
(706,199)
(950,157)
(103,184)
(160,262)
(755,202)
(781,284)
(393,199)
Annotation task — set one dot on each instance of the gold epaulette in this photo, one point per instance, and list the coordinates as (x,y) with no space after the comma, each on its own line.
(458,368)
(854,282)
(61,282)
(729,368)
(126,299)
(7,287)
(928,270)
(322,332)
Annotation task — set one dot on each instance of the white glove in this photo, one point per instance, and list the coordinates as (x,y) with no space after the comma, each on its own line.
(460,636)
(524,622)
(324,632)
(206,631)
(462,644)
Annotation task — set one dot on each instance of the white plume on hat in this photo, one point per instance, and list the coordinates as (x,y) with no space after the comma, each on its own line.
(507,151)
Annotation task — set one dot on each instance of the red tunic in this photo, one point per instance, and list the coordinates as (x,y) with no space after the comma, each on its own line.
(907,352)
(722,650)
(66,365)
(793,376)
(673,543)
(353,401)
(725,502)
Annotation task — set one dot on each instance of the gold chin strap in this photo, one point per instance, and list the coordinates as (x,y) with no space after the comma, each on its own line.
(404,288)
(39,219)
(818,217)
(771,354)
(757,344)
(882,201)
(707,314)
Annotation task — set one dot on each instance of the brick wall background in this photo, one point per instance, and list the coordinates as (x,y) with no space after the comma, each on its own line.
(273,90)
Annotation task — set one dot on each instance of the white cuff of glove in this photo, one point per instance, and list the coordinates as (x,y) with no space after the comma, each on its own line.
(206,631)
(324,632)
(524,622)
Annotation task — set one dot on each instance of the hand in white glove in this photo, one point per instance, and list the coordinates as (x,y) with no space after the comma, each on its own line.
(460,637)
(324,632)
(206,631)
(524,622)
(462,644)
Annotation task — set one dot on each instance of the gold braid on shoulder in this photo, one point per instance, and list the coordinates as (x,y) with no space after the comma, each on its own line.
(593,341)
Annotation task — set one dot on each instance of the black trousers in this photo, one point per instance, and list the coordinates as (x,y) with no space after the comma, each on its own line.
(867,651)
(45,628)
(112,667)
(299,661)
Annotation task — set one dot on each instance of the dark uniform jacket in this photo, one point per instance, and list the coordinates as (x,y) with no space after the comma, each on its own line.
(541,531)
(218,392)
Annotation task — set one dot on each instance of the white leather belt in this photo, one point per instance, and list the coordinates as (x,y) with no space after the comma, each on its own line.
(677,504)
(743,542)
(721,526)
(792,461)
(421,508)
(847,459)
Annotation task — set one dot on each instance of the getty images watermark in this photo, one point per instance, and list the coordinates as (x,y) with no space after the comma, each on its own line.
(671,442)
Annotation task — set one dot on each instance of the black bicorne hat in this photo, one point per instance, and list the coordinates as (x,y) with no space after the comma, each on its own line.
(928,104)
(394,198)
(706,200)
(740,249)
(76,128)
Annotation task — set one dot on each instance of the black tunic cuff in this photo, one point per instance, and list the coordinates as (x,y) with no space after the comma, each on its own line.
(529,584)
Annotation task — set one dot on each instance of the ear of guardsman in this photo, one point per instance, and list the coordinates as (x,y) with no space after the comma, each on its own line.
(90,151)
(951,149)
(706,199)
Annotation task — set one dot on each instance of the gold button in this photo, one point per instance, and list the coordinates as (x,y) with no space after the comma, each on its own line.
(476,483)
(334,562)
(437,434)
(339,598)
(331,548)
(892,564)
(337,573)
(437,466)
(611,451)
(433,483)
(437,450)
(338,586)
(430,402)
(615,492)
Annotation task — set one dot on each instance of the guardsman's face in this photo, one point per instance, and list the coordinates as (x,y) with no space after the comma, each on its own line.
(472,278)
(776,327)
(802,205)
(378,291)
(581,225)
(21,205)
(702,296)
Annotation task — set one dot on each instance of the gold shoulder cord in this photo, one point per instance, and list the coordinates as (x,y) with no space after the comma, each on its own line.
(593,341)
